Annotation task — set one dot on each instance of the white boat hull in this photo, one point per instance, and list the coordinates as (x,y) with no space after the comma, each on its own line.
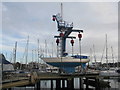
(68,64)
(64,59)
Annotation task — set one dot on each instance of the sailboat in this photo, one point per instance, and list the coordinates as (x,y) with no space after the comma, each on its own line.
(64,62)
(68,64)
(108,71)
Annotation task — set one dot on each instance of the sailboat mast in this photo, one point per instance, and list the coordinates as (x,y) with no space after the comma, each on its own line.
(94,56)
(15,52)
(91,54)
(61,39)
(26,57)
(106,52)
(32,59)
(112,56)
(62,11)
(11,57)
(103,53)
(46,48)
(52,49)
(38,51)
(65,30)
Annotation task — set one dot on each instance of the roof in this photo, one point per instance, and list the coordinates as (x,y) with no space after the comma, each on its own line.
(3,59)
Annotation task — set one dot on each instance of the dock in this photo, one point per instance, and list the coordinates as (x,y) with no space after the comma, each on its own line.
(35,78)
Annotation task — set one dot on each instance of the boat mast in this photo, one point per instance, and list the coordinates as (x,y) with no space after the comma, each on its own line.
(103,53)
(26,50)
(94,56)
(61,11)
(11,57)
(52,48)
(60,48)
(112,56)
(46,48)
(106,52)
(38,54)
(14,54)
(91,54)
(15,49)
(32,59)
(65,30)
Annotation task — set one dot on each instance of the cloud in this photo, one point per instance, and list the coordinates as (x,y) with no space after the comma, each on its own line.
(34,19)
(106,12)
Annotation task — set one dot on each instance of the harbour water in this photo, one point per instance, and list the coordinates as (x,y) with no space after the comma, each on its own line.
(46,85)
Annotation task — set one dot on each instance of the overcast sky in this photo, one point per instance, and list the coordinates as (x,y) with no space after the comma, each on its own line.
(20,19)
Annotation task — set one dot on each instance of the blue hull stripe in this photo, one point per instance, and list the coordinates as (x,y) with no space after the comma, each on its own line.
(68,67)
(64,64)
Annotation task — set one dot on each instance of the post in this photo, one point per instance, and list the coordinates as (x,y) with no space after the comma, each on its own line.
(51,84)
(81,83)
(86,83)
(63,84)
(58,84)
(70,83)
(38,85)
(97,84)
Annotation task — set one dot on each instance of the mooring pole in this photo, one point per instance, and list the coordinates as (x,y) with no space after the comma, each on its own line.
(58,84)
(70,83)
(97,84)
(87,83)
(81,83)
(51,84)
(63,84)
(38,85)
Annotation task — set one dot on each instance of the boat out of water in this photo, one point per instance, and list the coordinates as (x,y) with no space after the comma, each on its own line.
(68,64)
(64,62)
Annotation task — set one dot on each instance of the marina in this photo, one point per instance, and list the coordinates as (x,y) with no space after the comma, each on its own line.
(40,69)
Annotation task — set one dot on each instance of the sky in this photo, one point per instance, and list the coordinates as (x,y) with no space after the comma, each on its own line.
(34,19)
